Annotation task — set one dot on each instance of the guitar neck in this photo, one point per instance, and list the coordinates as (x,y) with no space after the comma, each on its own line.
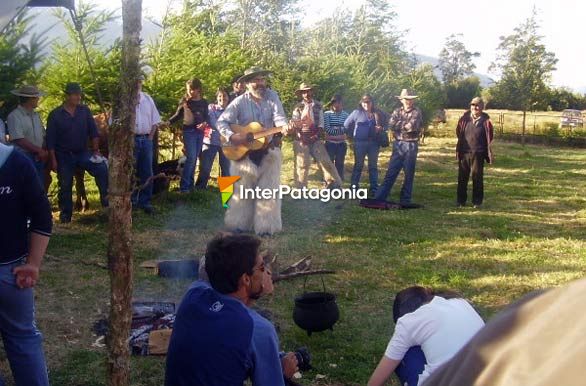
(266,133)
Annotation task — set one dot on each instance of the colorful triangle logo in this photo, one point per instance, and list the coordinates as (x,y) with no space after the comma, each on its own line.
(226,185)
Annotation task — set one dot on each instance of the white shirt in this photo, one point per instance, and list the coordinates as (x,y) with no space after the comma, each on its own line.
(441,327)
(146,114)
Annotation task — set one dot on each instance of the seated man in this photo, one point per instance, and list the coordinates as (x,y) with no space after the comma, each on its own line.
(217,338)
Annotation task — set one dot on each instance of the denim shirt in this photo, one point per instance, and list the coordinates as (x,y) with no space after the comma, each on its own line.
(244,110)
(359,126)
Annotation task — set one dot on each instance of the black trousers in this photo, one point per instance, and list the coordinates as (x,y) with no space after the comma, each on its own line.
(471,164)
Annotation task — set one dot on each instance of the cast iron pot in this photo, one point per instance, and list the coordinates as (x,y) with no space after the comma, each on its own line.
(316,311)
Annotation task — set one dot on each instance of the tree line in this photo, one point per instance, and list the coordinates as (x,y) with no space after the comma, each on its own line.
(349,53)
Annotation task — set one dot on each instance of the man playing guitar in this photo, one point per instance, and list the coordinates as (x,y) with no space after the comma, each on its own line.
(258,168)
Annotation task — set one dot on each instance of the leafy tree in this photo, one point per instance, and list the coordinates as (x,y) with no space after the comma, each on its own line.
(455,61)
(429,89)
(525,66)
(68,63)
(460,92)
(18,60)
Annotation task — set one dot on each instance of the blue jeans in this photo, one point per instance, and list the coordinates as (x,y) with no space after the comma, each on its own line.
(337,153)
(206,160)
(143,157)
(403,158)
(23,342)
(368,149)
(192,142)
(39,167)
(66,165)
(411,366)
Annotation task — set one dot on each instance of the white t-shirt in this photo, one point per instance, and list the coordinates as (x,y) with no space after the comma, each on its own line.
(441,327)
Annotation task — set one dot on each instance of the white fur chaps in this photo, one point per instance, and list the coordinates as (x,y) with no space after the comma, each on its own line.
(261,216)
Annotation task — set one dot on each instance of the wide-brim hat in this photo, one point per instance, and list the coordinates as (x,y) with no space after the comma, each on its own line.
(28,91)
(303,87)
(251,73)
(407,94)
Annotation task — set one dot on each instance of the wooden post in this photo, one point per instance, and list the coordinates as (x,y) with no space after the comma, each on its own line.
(120,221)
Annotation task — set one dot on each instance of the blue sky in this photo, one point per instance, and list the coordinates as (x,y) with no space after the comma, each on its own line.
(428,23)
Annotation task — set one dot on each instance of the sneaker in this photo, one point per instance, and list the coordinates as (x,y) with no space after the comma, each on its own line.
(460,204)
(477,206)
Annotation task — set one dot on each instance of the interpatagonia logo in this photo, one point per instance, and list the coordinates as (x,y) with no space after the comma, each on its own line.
(226,185)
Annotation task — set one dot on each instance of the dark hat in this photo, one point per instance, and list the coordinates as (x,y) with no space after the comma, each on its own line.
(251,73)
(73,88)
(141,77)
(28,91)
(477,101)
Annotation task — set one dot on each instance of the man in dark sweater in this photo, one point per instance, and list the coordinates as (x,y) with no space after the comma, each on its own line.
(22,246)
(69,127)
(475,134)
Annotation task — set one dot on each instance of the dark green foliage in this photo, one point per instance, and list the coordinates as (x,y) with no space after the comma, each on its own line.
(459,93)
(18,60)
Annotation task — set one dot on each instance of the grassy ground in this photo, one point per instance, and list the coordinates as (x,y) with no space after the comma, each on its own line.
(529,235)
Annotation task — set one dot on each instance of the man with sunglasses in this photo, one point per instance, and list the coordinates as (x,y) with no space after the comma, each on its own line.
(475,134)
(217,338)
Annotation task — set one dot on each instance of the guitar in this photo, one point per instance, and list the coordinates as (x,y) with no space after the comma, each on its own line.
(256,136)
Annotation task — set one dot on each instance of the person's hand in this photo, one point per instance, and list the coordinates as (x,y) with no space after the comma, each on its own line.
(238,139)
(26,275)
(378,128)
(201,126)
(43,155)
(267,282)
(290,365)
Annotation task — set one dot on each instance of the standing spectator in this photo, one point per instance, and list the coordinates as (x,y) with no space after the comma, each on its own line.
(363,125)
(259,168)
(69,127)
(24,234)
(217,338)
(308,118)
(475,134)
(212,143)
(406,123)
(430,328)
(336,145)
(193,110)
(238,88)
(26,130)
(147,122)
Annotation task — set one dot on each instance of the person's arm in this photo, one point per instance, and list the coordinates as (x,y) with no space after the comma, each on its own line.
(178,114)
(350,124)
(267,367)
(228,117)
(39,212)
(50,139)
(16,133)
(28,146)
(155,117)
(383,371)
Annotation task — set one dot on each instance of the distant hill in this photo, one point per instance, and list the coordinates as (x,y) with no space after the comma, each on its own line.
(49,26)
(485,80)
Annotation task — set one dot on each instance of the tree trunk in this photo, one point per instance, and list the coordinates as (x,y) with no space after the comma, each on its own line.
(120,222)
(523,129)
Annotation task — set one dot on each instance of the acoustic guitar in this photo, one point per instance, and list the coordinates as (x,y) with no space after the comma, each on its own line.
(256,136)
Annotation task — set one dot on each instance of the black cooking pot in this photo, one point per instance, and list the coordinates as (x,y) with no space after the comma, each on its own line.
(316,311)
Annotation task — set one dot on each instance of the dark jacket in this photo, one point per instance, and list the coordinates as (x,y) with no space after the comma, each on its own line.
(488,130)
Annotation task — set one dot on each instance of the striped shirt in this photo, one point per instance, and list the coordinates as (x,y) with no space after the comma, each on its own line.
(334,124)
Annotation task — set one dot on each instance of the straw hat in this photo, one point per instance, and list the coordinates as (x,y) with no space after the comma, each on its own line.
(251,73)
(407,94)
(28,91)
(303,87)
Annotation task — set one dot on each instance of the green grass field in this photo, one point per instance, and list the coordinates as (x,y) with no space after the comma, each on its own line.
(530,234)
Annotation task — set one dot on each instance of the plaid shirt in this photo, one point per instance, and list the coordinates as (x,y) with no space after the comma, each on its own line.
(406,125)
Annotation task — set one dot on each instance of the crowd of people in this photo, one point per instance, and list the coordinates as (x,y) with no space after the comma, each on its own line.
(218,339)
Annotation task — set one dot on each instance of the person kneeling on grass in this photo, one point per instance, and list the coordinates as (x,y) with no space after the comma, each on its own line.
(430,328)
(217,338)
